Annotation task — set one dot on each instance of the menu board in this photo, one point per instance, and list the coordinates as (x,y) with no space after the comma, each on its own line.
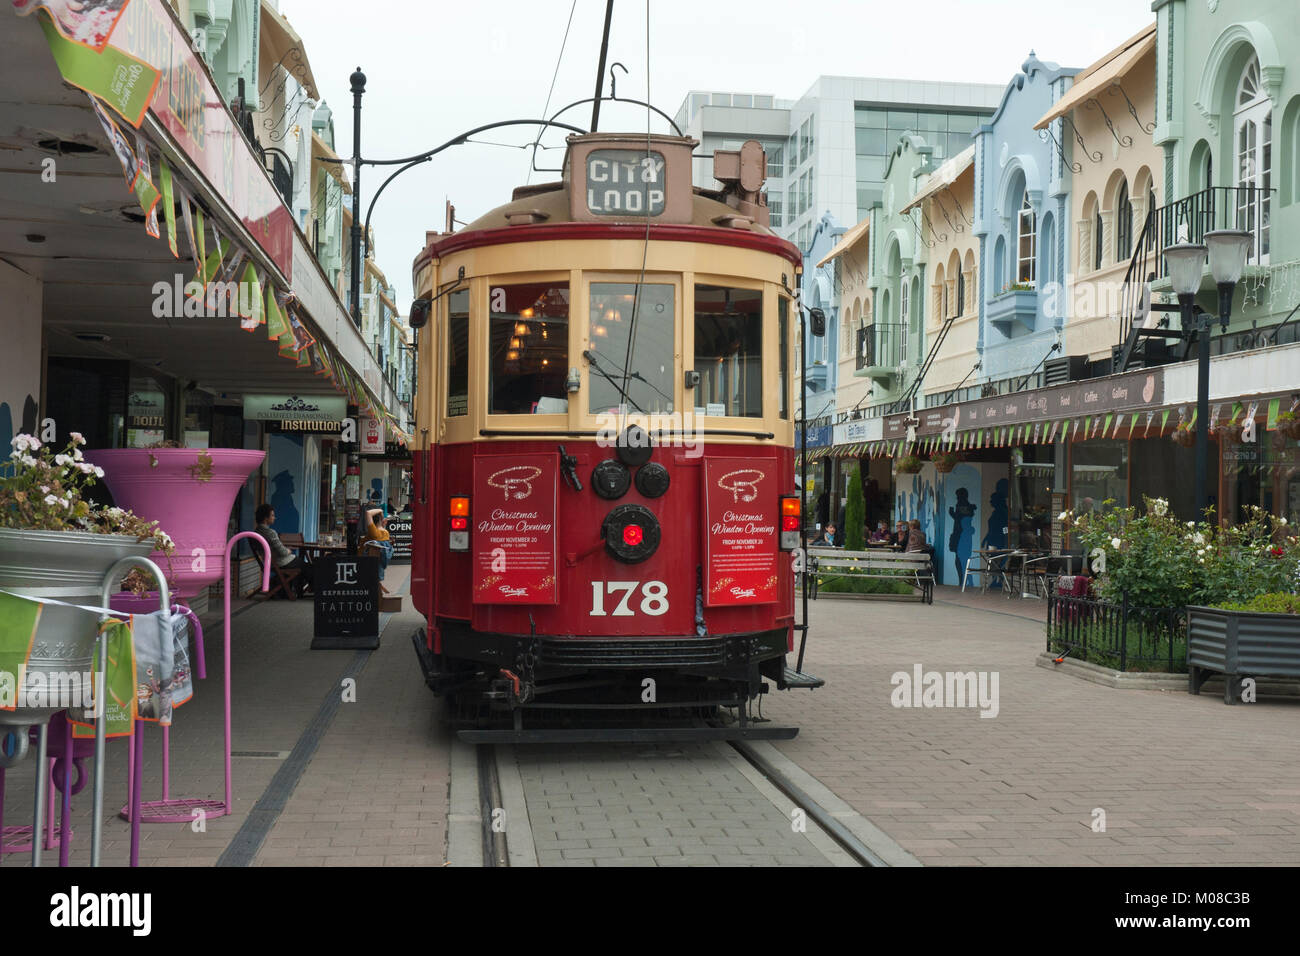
(512,529)
(741,545)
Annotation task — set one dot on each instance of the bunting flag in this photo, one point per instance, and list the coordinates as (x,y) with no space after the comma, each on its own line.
(169,205)
(1252,412)
(1274,409)
(1164,418)
(121,145)
(188,215)
(276,323)
(252,300)
(1150,416)
(1087,428)
(1192,422)
(1132,424)
(145,192)
(1236,412)
(1214,416)
(1106,427)
(87,25)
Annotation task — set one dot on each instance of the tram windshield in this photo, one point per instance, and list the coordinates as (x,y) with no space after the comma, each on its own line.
(729,351)
(528,348)
(650,377)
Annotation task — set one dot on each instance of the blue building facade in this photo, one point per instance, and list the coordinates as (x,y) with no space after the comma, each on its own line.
(1022,222)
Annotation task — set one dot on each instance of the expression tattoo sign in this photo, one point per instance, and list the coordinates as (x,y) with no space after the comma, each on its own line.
(513,529)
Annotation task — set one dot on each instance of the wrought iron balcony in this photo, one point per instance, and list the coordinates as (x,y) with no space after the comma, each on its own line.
(881,349)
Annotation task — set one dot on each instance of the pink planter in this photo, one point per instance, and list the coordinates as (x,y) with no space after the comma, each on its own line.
(194,513)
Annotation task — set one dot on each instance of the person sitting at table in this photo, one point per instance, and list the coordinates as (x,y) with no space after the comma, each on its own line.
(281,556)
(915,537)
(881,534)
(899,539)
(382,546)
(827,540)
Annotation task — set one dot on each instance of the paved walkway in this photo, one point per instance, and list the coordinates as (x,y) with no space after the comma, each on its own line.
(1181,779)
(311,785)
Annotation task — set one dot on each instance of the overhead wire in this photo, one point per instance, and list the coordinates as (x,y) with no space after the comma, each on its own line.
(645,245)
(554,76)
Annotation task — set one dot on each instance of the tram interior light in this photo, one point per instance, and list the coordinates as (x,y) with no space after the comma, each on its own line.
(521,328)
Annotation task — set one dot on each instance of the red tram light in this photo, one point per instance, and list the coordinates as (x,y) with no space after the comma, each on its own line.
(458,508)
(790,520)
(632,535)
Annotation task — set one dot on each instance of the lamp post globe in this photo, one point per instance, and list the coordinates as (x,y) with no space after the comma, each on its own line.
(1228,249)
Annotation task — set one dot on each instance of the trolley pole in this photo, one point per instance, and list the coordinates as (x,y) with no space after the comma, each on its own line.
(803,480)
(358,90)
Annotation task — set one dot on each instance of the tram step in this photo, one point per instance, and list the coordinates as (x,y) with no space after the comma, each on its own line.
(795,680)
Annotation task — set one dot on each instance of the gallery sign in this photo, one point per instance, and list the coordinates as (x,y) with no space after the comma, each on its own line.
(512,531)
(741,496)
(1135,391)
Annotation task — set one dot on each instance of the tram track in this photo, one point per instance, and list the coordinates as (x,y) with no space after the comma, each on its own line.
(829,837)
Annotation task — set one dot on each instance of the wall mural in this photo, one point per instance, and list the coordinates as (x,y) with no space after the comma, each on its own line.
(954,514)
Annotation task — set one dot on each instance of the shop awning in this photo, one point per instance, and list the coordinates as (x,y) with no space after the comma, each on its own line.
(283,45)
(846,240)
(320,150)
(943,177)
(1106,72)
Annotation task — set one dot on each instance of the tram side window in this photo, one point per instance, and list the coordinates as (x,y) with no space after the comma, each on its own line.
(729,351)
(458,354)
(651,378)
(528,348)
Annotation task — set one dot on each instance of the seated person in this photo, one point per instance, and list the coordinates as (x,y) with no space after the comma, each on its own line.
(827,540)
(881,534)
(377,531)
(900,535)
(281,556)
(916,537)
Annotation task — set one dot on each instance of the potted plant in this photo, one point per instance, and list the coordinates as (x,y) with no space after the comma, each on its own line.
(1185,434)
(908,465)
(189,491)
(56,544)
(945,461)
(1255,638)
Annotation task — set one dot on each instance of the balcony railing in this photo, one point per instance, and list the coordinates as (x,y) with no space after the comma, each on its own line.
(881,345)
(1219,207)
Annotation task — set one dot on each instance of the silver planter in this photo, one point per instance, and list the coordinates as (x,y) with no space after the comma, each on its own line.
(67,566)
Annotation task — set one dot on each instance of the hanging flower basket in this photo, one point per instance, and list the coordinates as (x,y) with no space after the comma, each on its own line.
(1185,435)
(945,462)
(908,465)
(1227,434)
(1288,423)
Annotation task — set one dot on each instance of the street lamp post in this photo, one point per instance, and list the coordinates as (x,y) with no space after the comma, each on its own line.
(1226,250)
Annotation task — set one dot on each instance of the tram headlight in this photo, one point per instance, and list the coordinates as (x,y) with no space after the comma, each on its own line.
(631,533)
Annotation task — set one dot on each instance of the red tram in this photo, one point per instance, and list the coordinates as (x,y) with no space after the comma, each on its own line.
(604,478)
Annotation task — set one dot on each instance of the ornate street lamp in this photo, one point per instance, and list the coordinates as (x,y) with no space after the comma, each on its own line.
(1227,250)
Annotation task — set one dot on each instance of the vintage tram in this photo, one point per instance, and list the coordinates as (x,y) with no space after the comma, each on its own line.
(605,500)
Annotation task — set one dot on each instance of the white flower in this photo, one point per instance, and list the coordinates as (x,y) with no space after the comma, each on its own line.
(76,454)
(62,460)
(1191,524)
(1115,543)
(21,443)
(45,489)
(1062,516)
(51,500)
(77,438)
(1198,538)
(1282,521)
(117,514)
(33,442)
(28,460)
(1200,552)
(99,472)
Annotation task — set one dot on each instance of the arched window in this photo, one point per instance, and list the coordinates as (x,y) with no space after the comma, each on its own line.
(1098,240)
(904,320)
(1027,246)
(961,293)
(1253,126)
(1123,224)
(1047,274)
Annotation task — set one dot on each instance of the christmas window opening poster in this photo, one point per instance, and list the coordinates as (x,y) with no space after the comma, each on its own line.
(512,529)
(740,532)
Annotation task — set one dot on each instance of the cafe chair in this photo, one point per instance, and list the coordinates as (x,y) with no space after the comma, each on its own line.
(1008,570)
(976,564)
(282,579)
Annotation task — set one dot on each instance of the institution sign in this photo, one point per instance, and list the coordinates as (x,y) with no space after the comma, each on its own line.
(329,409)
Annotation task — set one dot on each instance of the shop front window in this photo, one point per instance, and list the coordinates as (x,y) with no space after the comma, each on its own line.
(458,353)
(1098,476)
(1264,473)
(146,412)
(1030,507)
(198,420)
(528,348)
(729,351)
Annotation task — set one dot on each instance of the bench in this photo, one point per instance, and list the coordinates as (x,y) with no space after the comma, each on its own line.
(910,567)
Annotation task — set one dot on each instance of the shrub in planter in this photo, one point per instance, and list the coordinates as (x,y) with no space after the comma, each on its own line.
(1276,603)
(945,461)
(1288,423)
(908,465)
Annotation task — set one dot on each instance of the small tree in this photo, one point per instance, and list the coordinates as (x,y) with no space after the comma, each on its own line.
(855,512)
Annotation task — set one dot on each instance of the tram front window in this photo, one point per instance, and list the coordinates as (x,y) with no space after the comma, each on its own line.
(528,348)
(458,353)
(729,351)
(650,377)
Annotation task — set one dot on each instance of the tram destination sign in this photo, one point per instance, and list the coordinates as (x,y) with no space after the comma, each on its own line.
(617,176)
(347,602)
(625,182)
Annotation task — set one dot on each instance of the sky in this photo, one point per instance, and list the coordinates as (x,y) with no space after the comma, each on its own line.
(436,69)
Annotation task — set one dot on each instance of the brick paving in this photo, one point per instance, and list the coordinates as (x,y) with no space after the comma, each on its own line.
(652,805)
(356,802)
(1182,779)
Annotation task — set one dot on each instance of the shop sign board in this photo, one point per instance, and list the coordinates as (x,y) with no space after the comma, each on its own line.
(372,436)
(401,529)
(347,602)
(330,409)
